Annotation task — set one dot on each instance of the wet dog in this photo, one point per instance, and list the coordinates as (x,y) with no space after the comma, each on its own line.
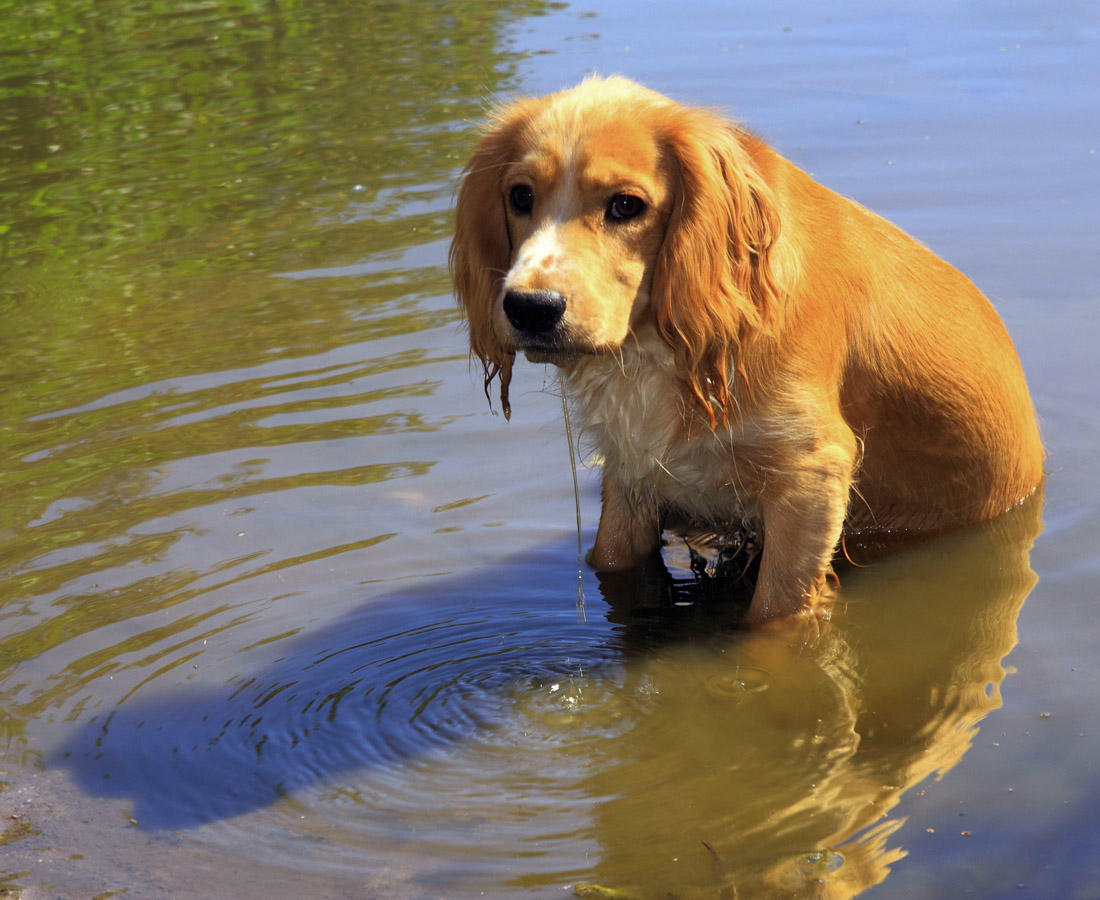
(743,344)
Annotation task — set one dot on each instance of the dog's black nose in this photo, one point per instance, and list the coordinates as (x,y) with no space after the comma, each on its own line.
(534,312)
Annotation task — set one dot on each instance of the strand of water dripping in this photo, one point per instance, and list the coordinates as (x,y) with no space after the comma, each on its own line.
(581,615)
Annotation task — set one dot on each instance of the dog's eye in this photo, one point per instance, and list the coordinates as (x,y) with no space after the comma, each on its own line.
(522,198)
(625,206)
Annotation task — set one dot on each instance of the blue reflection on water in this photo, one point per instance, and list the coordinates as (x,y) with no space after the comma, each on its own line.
(401,676)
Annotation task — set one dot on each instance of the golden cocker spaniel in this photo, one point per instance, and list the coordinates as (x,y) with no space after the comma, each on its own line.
(743,344)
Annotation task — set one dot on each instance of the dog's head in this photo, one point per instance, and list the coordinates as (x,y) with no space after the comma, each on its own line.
(590,214)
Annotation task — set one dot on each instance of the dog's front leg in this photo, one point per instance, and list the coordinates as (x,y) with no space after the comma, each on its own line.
(630,528)
(803,515)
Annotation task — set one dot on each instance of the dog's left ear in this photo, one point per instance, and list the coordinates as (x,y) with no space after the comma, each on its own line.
(714,285)
(481,250)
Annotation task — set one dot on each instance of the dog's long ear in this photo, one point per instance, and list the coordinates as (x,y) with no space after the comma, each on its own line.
(714,286)
(481,250)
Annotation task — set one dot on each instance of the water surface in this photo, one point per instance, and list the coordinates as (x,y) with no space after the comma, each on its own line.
(285,608)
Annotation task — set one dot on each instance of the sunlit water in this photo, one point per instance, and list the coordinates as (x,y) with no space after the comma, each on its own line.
(286,609)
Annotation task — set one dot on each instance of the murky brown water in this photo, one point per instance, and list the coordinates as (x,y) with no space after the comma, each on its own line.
(284,609)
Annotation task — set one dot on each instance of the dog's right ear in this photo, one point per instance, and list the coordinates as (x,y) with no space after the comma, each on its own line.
(481,251)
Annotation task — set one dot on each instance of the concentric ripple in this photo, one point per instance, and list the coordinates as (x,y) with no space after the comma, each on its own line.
(394,683)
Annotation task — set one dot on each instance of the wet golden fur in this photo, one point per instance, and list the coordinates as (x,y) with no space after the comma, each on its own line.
(742,343)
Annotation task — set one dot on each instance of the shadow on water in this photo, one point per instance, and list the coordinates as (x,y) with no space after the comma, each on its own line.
(712,762)
(399,677)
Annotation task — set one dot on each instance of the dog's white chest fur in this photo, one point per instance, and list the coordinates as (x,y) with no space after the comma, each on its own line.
(632,412)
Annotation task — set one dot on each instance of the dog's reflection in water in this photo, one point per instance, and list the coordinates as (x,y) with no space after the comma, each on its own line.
(767,769)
